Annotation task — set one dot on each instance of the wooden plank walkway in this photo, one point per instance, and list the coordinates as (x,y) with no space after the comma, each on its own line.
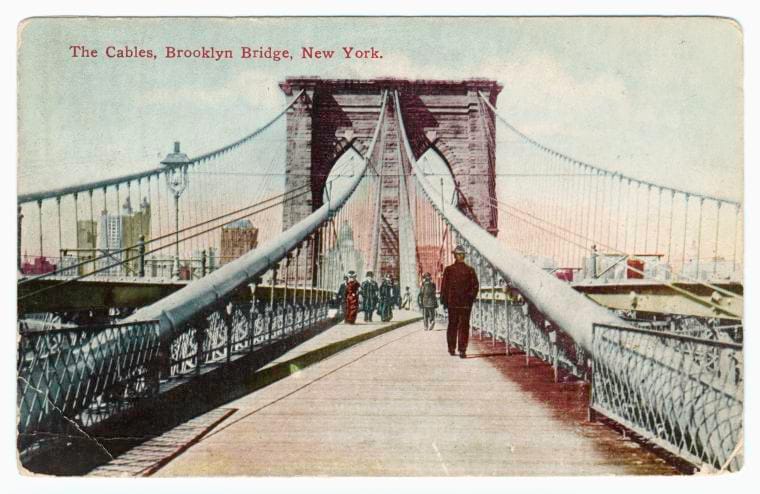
(399,405)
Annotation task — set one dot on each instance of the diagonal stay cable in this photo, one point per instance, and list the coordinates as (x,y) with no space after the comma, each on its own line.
(77,278)
(614,250)
(669,284)
(161,237)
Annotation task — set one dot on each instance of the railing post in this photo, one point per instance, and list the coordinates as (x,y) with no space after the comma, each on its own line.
(507,309)
(590,366)
(555,353)
(200,337)
(226,312)
(295,292)
(18,236)
(493,306)
(271,302)
(252,314)
(528,324)
(141,256)
(285,296)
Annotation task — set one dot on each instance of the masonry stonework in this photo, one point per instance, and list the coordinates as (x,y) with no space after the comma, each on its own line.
(334,115)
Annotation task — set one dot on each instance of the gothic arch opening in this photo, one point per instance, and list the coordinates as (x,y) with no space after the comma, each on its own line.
(437,171)
(346,166)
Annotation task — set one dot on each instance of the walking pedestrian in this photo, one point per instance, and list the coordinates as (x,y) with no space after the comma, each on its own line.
(458,291)
(352,298)
(396,289)
(370,296)
(386,299)
(427,301)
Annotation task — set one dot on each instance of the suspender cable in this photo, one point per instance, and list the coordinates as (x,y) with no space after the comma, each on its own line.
(717,237)
(659,214)
(636,218)
(670,230)
(699,235)
(646,221)
(685,227)
(736,242)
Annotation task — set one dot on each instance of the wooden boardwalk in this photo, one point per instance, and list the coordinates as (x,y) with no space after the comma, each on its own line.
(399,405)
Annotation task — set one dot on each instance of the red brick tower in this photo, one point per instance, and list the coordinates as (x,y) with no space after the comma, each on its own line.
(448,115)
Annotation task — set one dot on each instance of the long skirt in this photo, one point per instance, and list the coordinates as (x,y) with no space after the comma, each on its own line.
(352,309)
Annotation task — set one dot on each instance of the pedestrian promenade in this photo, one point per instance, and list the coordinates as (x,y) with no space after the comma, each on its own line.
(399,405)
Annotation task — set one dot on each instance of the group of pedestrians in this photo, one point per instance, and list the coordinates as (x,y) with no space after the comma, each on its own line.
(369,297)
(459,288)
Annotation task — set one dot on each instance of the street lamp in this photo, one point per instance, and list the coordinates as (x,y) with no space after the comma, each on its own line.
(176,180)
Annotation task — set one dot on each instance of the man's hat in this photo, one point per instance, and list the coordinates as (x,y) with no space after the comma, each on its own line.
(426,275)
(370,274)
(352,274)
(458,250)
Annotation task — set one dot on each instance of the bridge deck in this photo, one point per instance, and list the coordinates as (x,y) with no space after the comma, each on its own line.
(399,405)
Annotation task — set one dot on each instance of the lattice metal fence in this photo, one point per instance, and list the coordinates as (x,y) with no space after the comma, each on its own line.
(521,327)
(682,393)
(235,330)
(74,378)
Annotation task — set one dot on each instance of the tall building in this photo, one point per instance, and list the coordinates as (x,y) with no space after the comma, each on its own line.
(109,243)
(133,225)
(344,257)
(87,234)
(120,231)
(237,239)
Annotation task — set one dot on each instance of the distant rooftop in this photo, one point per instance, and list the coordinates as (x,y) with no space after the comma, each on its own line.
(239,225)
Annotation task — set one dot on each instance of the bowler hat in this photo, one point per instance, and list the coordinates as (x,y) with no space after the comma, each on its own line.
(458,250)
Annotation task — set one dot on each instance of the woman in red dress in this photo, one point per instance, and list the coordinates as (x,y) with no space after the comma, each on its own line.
(352,298)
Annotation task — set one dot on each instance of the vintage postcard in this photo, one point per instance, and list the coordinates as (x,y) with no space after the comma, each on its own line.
(380,246)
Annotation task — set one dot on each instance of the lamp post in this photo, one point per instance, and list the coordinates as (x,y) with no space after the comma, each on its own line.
(176,180)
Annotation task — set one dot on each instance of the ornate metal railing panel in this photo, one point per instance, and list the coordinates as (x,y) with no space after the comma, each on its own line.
(524,329)
(684,394)
(76,377)
(236,330)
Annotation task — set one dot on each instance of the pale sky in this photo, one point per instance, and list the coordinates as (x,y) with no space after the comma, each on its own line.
(656,98)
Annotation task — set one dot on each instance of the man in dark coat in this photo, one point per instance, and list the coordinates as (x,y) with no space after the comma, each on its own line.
(427,301)
(370,295)
(396,293)
(352,298)
(386,299)
(458,291)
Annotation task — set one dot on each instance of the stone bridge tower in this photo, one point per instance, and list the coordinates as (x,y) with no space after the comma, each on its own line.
(334,115)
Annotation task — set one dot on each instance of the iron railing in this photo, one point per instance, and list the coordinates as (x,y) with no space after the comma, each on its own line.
(502,314)
(682,393)
(236,330)
(73,378)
